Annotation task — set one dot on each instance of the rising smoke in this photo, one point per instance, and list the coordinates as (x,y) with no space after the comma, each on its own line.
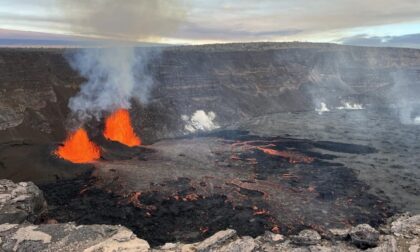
(114,76)
(200,121)
(115,71)
(404,96)
(336,79)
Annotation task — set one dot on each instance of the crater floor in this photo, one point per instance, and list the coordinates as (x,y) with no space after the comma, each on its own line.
(281,172)
(393,171)
(326,171)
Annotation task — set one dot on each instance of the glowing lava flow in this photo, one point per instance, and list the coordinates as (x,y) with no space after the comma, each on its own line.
(293,157)
(77,148)
(118,128)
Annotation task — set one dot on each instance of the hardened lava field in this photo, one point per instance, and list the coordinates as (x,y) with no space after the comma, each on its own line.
(189,188)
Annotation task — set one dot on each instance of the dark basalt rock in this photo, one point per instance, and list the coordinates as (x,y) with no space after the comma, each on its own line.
(154,216)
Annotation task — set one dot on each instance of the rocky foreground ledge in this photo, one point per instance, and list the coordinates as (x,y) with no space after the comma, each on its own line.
(22,203)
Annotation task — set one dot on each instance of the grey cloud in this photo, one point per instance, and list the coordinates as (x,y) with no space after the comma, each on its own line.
(309,17)
(214,20)
(22,38)
(126,20)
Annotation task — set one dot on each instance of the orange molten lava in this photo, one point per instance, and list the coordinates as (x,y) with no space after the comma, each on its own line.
(78,148)
(118,128)
(293,157)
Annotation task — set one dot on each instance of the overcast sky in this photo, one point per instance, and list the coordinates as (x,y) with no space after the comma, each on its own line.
(360,22)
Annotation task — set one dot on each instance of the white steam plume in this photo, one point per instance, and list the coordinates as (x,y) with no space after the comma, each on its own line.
(111,81)
(350,106)
(200,121)
(115,73)
(404,95)
(322,109)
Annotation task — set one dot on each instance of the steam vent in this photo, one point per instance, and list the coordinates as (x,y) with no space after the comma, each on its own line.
(220,147)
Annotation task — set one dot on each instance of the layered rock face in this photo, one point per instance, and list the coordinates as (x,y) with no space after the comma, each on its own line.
(257,79)
(235,81)
(230,82)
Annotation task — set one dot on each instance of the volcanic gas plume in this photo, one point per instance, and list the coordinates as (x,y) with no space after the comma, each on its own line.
(118,128)
(77,148)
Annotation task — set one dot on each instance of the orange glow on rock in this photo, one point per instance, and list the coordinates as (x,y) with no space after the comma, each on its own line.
(293,157)
(118,128)
(77,148)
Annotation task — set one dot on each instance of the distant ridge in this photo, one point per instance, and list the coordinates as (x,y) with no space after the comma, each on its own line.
(25,39)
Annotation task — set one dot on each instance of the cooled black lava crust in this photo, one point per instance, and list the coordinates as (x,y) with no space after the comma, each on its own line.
(300,188)
(158,220)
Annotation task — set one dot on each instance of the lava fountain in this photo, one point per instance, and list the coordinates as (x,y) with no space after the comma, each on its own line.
(118,128)
(77,148)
